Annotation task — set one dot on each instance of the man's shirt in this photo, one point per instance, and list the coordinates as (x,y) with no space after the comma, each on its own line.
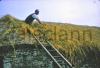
(35,16)
(30,18)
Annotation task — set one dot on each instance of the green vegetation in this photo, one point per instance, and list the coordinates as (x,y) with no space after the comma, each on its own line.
(80,44)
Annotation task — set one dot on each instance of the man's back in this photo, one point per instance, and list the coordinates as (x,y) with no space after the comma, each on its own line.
(29,19)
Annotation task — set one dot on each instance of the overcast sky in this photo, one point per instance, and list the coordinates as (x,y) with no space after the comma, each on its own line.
(81,12)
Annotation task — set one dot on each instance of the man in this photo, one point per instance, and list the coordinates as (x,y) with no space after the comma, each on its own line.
(33,17)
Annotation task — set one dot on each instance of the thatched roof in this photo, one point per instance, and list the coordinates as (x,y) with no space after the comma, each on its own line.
(12,31)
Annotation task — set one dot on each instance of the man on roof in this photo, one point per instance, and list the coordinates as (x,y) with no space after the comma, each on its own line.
(33,17)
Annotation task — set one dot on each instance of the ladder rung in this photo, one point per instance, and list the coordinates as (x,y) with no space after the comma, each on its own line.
(48,47)
(62,63)
(51,50)
(57,56)
(53,53)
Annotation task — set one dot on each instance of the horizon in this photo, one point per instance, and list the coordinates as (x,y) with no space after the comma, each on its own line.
(53,22)
(70,11)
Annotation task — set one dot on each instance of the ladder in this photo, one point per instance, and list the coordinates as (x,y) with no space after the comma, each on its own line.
(54,54)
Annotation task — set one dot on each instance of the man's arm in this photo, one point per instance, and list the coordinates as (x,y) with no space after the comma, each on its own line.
(38,21)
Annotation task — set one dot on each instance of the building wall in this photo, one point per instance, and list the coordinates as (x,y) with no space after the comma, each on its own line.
(26,56)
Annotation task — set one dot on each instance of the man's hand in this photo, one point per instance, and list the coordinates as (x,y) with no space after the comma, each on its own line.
(39,21)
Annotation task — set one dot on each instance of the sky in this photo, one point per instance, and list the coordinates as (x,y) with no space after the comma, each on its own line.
(80,12)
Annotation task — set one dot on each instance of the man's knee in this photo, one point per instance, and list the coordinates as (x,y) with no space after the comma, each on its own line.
(28,21)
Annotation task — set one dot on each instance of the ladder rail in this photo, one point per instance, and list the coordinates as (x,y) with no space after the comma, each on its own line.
(61,55)
(48,52)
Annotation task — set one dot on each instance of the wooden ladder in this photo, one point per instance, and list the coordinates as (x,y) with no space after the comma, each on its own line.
(55,55)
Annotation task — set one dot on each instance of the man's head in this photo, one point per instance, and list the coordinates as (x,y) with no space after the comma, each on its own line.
(36,11)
